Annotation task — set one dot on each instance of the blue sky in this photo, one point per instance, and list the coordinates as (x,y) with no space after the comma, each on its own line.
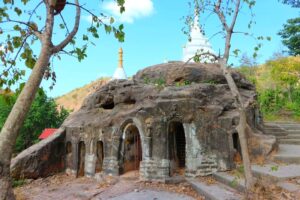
(153,34)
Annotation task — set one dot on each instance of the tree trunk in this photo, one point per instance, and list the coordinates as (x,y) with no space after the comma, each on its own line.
(242,127)
(16,118)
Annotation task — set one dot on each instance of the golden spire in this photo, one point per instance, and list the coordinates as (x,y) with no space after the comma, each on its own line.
(121,58)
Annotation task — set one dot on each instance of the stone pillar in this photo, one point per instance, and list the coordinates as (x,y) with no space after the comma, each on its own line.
(74,167)
(90,165)
(193,150)
(111,163)
(90,159)
(147,150)
(111,166)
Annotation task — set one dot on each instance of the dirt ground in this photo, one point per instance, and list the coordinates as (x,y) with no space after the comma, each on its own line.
(64,187)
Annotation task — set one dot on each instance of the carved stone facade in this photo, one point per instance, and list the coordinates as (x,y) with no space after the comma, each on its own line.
(169,119)
(160,130)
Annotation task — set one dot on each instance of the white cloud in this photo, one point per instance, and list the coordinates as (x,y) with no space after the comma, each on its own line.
(134,9)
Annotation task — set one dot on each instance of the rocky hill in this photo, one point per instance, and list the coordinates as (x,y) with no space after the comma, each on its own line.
(73,100)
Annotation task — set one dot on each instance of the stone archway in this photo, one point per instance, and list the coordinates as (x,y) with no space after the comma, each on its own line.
(130,148)
(99,156)
(81,158)
(237,156)
(176,148)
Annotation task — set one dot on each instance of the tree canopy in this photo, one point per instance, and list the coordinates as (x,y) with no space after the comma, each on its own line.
(290,35)
(293,3)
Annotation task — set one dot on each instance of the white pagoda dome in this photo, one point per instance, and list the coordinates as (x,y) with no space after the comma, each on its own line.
(120,72)
(198,44)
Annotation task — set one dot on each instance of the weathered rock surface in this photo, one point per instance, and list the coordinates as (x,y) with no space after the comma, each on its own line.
(42,159)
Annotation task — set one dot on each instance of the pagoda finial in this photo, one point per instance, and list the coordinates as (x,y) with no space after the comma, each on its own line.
(121,58)
(196,18)
(120,72)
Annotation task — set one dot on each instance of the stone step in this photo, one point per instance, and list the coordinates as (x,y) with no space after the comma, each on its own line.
(275,172)
(277,133)
(288,153)
(291,187)
(289,141)
(293,131)
(215,191)
(283,125)
(290,127)
(237,183)
(274,129)
(289,136)
(287,159)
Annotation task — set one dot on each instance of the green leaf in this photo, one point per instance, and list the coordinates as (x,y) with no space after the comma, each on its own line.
(17,41)
(107,28)
(112,20)
(18,11)
(85,37)
(62,26)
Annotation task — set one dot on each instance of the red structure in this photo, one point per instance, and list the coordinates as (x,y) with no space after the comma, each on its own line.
(47,132)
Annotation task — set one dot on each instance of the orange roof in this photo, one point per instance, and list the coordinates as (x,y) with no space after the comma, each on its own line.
(47,132)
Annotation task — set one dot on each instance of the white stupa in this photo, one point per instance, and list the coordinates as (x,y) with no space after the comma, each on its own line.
(120,72)
(198,44)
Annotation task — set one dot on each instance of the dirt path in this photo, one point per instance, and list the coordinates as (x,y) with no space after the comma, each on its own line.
(64,187)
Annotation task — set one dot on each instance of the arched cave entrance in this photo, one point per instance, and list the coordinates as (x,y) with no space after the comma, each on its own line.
(237,147)
(177,148)
(131,149)
(100,156)
(81,158)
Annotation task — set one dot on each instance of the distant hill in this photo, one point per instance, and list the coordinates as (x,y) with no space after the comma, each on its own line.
(73,100)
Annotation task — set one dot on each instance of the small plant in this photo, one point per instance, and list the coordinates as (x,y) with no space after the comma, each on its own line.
(147,80)
(183,83)
(274,168)
(241,169)
(212,82)
(18,183)
(160,82)
(234,182)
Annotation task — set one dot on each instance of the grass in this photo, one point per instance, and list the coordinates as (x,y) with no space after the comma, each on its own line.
(18,183)
(271,117)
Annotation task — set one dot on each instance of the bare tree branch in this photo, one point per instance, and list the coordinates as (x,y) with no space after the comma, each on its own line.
(236,12)
(66,41)
(201,54)
(34,10)
(65,24)
(221,15)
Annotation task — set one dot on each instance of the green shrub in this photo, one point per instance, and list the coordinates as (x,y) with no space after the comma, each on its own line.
(42,114)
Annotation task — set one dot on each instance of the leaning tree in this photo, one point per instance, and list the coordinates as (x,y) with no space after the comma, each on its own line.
(227,13)
(23,32)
